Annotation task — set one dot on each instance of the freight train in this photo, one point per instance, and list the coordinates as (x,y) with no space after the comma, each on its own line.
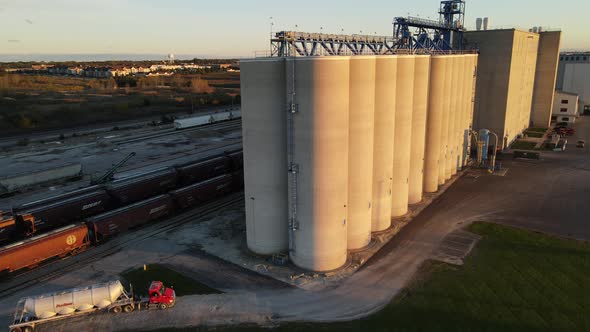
(50,213)
(140,207)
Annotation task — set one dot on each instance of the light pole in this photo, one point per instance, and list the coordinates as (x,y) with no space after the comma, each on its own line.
(271,23)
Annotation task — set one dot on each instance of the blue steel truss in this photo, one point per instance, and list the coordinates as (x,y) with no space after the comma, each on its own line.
(414,33)
(300,44)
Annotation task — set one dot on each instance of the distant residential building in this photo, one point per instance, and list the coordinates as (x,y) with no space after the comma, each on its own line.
(565,107)
(75,71)
(165,67)
(98,72)
(58,70)
(41,67)
(120,71)
(166,73)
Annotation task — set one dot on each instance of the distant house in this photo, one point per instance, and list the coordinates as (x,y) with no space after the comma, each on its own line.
(165,67)
(41,67)
(58,70)
(119,71)
(75,71)
(565,107)
(143,70)
(98,72)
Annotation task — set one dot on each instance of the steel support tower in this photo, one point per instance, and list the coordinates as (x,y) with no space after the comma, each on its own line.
(415,33)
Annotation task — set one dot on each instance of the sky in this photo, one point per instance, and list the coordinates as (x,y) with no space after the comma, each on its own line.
(239,28)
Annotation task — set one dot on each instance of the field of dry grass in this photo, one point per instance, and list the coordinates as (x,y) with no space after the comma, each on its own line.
(38,102)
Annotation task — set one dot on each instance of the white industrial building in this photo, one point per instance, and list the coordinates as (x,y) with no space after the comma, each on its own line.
(565,107)
(574,76)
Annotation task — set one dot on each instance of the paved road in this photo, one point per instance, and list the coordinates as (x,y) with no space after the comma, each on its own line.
(548,195)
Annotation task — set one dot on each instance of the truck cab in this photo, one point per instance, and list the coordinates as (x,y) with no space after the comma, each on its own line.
(161,296)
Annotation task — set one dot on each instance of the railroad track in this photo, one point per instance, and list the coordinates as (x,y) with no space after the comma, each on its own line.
(54,269)
(198,151)
(215,126)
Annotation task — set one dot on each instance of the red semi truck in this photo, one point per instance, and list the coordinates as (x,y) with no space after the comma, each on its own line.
(110,296)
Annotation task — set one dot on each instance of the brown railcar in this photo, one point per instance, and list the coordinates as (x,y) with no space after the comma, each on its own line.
(237,159)
(203,170)
(238,180)
(117,221)
(137,188)
(199,193)
(62,212)
(58,198)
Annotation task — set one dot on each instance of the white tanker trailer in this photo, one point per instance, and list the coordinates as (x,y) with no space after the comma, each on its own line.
(110,296)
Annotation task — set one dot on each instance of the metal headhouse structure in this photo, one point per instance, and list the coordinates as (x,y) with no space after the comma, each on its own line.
(410,35)
(414,33)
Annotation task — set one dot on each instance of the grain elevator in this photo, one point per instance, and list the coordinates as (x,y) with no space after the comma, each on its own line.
(336,147)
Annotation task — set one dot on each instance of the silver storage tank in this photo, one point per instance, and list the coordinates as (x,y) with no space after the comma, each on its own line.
(320,138)
(402,135)
(264,137)
(434,123)
(360,150)
(385,88)
(418,138)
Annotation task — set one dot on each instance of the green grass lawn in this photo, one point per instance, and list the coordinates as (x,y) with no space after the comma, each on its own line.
(523,145)
(183,285)
(514,280)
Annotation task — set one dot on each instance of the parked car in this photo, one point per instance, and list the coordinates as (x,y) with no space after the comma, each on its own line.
(580,144)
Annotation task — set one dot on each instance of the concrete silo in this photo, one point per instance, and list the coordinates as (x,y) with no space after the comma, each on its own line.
(467,100)
(385,97)
(418,138)
(472,89)
(460,109)
(402,135)
(451,166)
(360,150)
(265,165)
(320,153)
(446,102)
(434,123)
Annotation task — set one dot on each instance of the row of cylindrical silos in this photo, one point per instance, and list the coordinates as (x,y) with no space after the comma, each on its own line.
(450,113)
(334,147)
